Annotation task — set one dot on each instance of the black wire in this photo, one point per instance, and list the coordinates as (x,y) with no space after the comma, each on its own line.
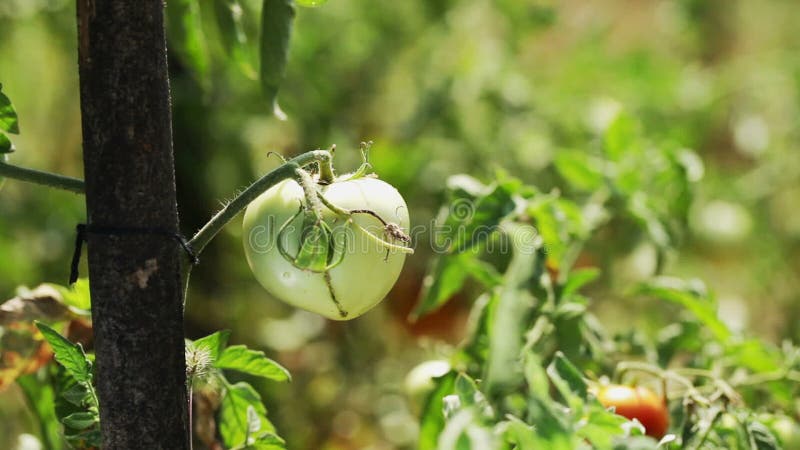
(84,229)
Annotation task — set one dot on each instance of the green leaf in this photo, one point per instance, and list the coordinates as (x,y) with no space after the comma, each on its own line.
(214,343)
(90,438)
(69,355)
(465,431)
(41,398)
(471,222)
(567,379)
(535,375)
(253,362)
(185,31)
(6,146)
(237,34)
(579,170)
(276,30)
(578,279)
(636,443)
(432,417)
(446,277)
(77,394)
(8,116)
(602,426)
(233,420)
(77,295)
(80,420)
(311,3)
(514,307)
(760,437)
(467,390)
(267,441)
(315,250)
(621,137)
(692,297)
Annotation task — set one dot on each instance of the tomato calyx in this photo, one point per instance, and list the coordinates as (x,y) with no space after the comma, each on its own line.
(319,250)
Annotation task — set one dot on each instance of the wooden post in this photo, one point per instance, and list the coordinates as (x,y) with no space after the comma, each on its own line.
(135,278)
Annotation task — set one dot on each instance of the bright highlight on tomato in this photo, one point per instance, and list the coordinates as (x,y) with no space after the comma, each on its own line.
(637,403)
(365,254)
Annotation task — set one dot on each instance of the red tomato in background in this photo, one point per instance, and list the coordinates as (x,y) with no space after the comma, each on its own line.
(637,403)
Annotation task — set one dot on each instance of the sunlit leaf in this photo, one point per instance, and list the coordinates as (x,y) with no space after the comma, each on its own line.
(184,27)
(311,3)
(215,343)
(432,417)
(253,362)
(8,115)
(69,355)
(234,424)
(77,295)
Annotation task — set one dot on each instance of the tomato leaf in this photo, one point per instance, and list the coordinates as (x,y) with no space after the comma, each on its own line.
(432,417)
(276,30)
(41,396)
(315,249)
(8,115)
(234,423)
(80,420)
(6,146)
(185,30)
(445,279)
(267,441)
(311,3)
(253,362)
(214,343)
(580,170)
(567,379)
(621,138)
(514,307)
(692,297)
(69,355)
(760,437)
(577,279)
(237,34)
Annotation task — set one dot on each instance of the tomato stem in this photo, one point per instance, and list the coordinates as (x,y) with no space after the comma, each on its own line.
(41,178)
(238,204)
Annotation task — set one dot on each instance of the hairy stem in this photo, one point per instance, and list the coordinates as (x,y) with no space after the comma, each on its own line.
(287,170)
(42,178)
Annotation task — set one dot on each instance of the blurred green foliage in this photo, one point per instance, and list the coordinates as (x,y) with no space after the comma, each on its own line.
(710,90)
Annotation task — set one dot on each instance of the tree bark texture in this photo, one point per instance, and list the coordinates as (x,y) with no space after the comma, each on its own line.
(130,183)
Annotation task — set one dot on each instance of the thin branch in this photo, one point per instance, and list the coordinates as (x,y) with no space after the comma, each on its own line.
(240,202)
(42,178)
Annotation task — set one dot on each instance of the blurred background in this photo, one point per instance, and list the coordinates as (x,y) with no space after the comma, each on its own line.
(442,87)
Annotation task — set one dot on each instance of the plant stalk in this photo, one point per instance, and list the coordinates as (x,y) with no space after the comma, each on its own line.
(42,178)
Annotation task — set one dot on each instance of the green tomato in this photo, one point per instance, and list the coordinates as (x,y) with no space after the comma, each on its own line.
(367,271)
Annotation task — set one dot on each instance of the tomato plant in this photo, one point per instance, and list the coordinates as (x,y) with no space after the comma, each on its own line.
(359,266)
(638,403)
(3,159)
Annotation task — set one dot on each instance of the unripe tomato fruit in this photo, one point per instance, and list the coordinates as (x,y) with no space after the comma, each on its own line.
(366,272)
(637,403)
